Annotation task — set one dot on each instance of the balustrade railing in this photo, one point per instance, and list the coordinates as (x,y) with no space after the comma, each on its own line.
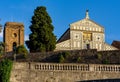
(67,67)
(44,66)
(77,67)
(107,68)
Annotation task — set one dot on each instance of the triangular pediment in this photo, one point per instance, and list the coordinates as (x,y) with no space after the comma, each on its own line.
(86,23)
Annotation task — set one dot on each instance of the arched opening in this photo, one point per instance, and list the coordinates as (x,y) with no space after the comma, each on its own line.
(88,46)
(14,46)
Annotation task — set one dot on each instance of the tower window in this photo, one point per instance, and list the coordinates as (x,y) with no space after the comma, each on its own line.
(14,35)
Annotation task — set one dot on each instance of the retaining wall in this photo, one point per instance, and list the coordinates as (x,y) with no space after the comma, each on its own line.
(66,72)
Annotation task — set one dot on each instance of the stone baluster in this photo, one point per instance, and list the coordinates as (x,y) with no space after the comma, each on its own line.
(56,67)
(111,69)
(53,66)
(101,68)
(77,67)
(74,67)
(85,68)
(61,67)
(117,69)
(45,67)
(81,68)
(114,68)
(96,68)
(71,67)
(48,67)
(106,68)
(67,67)
(42,66)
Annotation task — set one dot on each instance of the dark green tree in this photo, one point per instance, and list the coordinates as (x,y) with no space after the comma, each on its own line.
(22,50)
(42,37)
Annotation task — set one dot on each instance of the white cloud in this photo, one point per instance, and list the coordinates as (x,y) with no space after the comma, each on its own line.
(1,34)
(26,37)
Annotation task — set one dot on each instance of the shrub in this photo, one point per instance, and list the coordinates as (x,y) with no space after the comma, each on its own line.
(66,54)
(99,56)
(22,50)
(106,61)
(2,51)
(78,59)
(61,59)
(5,70)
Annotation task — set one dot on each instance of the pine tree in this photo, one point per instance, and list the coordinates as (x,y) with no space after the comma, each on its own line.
(42,37)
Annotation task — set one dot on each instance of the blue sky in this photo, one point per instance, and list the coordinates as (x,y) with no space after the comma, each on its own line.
(63,12)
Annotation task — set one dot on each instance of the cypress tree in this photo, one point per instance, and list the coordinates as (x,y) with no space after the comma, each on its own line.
(42,37)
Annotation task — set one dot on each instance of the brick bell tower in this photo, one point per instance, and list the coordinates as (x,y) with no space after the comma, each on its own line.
(13,35)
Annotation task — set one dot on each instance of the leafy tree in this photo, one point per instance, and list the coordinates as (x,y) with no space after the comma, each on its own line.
(41,37)
(2,50)
(22,50)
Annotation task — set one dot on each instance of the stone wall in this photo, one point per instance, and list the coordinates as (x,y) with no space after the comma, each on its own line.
(55,72)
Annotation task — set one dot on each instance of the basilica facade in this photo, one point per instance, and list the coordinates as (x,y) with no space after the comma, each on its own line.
(84,34)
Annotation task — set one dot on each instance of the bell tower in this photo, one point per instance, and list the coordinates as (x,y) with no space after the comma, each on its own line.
(13,35)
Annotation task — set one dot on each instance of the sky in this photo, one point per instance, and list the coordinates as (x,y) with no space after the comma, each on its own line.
(64,12)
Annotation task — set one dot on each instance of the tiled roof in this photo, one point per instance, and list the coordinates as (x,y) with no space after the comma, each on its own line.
(116,44)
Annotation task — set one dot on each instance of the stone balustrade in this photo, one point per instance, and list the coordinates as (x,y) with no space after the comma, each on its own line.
(75,67)
(107,68)
(44,66)
(67,67)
